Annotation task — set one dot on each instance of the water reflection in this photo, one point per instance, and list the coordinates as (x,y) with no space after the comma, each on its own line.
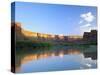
(72,58)
(61,53)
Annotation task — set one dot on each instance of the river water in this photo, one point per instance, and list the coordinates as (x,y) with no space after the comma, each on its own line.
(56,59)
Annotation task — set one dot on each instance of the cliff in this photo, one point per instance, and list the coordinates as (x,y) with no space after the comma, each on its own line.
(23,34)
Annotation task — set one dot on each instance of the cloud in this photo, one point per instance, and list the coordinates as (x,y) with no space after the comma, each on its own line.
(81,22)
(86,22)
(86,25)
(87,29)
(88,17)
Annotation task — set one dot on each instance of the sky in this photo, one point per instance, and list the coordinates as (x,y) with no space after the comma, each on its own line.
(55,18)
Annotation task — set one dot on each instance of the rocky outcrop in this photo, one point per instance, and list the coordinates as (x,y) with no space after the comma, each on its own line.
(90,37)
(17,30)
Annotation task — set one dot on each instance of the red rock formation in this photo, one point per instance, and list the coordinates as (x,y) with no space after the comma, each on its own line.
(22,34)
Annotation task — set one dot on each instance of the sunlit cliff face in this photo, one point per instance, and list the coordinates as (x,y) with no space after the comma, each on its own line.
(29,34)
(18,24)
(43,35)
(61,36)
(75,37)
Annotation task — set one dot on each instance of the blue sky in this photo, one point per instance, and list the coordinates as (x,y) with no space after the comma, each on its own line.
(56,18)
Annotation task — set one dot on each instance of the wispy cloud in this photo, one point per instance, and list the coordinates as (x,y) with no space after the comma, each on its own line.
(86,25)
(81,21)
(87,29)
(86,22)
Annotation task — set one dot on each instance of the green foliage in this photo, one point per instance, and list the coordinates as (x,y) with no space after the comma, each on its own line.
(31,44)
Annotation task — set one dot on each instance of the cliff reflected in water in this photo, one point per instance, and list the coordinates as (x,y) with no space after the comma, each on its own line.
(84,53)
(44,55)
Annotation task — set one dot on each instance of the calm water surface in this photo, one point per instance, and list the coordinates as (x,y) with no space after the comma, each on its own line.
(57,58)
